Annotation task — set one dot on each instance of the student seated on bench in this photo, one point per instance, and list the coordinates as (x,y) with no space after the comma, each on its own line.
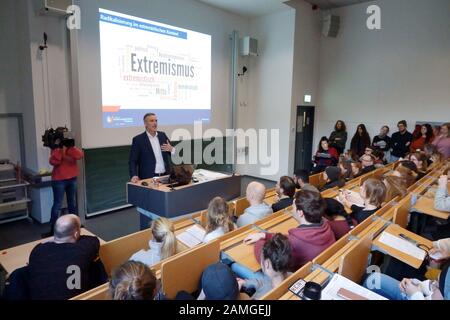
(275,258)
(341,222)
(301,180)
(163,244)
(308,240)
(132,280)
(218,219)
(413,289)
(395,187)
(373,192)
(407,171)
(332,176)
(69,259)
(217,283)
(285,191)
(258,209)
(442,199)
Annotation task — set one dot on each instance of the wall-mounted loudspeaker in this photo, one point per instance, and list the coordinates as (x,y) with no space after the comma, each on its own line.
(330,25)
(55,7)
(249,46)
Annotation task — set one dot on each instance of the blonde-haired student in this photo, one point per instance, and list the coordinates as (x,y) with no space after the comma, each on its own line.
(161,246)
(133,280)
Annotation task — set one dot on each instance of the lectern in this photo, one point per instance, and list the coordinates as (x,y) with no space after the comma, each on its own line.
(166,201)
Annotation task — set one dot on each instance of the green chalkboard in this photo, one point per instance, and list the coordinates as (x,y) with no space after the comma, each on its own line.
(106,172)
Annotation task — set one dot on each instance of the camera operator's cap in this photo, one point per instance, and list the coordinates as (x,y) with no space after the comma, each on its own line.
(219,283)
(312,291)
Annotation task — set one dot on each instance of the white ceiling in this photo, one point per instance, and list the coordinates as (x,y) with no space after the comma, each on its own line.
(329,4)
(248,8)
(256,8)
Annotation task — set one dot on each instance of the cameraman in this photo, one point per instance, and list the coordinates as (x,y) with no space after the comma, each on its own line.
(64,158)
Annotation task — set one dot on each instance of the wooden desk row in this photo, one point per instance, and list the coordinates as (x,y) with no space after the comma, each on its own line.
(119,250)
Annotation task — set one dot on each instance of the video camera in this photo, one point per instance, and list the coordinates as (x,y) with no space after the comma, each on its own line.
(58,138)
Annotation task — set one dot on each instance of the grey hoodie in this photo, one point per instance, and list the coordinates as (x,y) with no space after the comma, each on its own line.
(253,214)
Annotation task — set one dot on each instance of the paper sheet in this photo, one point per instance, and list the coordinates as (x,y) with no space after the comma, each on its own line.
(402,245)
(192,236)
(337,282)
(206,175)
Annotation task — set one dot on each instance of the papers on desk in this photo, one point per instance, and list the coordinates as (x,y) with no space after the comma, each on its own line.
(402,245)
(192,236)
(355,198)
(206,175)
(341,288)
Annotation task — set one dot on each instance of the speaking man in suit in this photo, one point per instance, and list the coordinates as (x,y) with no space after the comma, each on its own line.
(150,151)
(149,157)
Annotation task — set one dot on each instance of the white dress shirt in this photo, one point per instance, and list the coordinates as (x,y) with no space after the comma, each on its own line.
(160,167)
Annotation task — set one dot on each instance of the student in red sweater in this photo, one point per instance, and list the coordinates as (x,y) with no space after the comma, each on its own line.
(325,156)
(63,158)
(424,136)
(310,238)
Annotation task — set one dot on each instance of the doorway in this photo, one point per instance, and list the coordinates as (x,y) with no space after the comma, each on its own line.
(304,137)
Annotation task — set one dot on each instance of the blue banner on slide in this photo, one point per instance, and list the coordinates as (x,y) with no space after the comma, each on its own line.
(106,17)
(134,117)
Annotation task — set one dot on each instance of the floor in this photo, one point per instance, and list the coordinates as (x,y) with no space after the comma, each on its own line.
(107,226)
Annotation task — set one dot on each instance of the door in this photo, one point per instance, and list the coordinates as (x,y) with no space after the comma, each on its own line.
(304,137)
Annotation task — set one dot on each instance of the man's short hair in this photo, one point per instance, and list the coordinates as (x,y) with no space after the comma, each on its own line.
(312,205)
(302,174)
(403,122)
(278,251)
(287,184)
(149,114)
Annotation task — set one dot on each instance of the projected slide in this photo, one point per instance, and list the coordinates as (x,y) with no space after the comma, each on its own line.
(148,66)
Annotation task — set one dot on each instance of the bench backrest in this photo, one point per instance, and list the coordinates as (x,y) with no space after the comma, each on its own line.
(184,271)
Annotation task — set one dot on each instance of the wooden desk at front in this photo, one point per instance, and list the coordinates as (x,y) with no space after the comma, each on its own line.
(17,257)
(243,253)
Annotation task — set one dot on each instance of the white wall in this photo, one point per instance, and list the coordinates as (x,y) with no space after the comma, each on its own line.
(379,77)
(9,82)
(306,66)
(286,69)
(50,78)
(269,82)
(188,14)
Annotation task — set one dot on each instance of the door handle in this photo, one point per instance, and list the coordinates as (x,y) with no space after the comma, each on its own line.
(304,119)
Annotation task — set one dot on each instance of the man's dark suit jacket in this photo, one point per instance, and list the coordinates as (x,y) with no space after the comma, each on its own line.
(142,160)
